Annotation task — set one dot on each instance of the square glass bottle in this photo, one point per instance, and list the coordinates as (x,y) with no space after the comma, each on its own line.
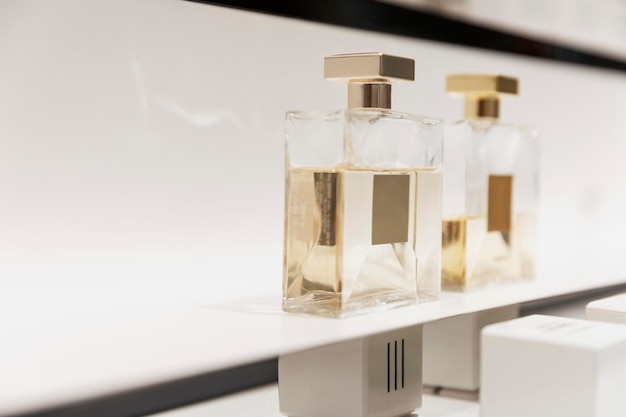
(490,189)
(362,197)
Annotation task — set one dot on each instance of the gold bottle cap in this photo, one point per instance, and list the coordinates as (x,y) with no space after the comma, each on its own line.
(369,76)
(482,92)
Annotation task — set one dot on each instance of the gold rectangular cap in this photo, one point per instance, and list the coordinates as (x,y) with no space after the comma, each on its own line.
(369,66)
(481,84)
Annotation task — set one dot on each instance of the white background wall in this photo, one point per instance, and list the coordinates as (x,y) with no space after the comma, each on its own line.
(141,149)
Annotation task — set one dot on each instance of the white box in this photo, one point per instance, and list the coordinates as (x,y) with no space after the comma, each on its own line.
(375,376)
(452,348)
(611,309)
(543,366)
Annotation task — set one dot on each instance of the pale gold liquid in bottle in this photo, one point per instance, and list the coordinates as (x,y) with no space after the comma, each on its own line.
(340,263)
(471,256)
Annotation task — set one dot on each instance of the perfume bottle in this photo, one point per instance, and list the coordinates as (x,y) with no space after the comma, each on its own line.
(362,197)
(490,189)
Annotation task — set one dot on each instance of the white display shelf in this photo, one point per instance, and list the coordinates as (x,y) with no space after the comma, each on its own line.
(44,367)
(263,402)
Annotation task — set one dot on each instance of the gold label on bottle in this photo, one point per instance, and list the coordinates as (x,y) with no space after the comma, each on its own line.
(326,200)
(500,203)
(390,209)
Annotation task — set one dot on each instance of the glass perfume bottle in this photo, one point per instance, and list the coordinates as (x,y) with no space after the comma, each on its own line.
(490,189)
(362,197)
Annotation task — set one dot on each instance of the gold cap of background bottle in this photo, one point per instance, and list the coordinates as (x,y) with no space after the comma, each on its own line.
(482,92)
(369,76)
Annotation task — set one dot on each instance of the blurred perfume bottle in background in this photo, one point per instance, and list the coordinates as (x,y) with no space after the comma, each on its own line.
(490,189)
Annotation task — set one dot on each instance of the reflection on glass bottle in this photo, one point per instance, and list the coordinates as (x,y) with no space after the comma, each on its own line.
(363,198)
(490,190)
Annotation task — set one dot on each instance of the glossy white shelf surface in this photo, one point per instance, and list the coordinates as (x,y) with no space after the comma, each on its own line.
(263,402)
(51,363)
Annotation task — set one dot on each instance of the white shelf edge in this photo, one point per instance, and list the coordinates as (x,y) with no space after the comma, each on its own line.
(88,364)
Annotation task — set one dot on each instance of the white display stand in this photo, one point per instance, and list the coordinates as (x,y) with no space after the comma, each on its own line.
(452,348)
(553,366)
(610,309)
(375,376)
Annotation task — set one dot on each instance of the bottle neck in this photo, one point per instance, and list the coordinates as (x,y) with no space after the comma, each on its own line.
(482,107)
(369,95)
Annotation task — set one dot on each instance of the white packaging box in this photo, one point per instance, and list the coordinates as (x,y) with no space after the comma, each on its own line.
(374,376)
(610,309)
(452,348)
(543,366)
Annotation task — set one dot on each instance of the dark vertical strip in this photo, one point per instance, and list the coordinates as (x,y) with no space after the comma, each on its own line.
(395,365)
(402,363)
(388,368)
(326,200)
